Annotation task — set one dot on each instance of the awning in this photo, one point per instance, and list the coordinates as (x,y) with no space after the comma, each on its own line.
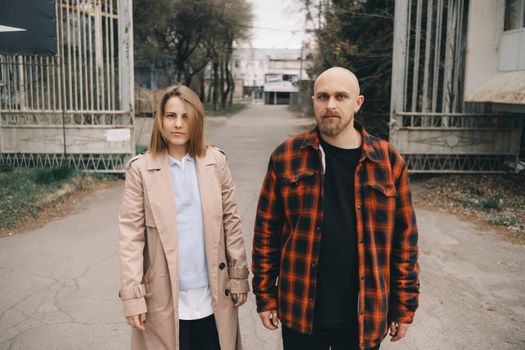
(504,87)
(280,86)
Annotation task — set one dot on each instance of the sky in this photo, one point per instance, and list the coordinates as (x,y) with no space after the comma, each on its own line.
(284,17)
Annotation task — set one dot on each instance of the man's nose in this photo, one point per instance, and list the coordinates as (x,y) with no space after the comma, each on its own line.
(331,103)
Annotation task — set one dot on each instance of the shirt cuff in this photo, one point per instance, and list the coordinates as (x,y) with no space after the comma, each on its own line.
(266,305)
(237,272)
(239,285)
(132,307)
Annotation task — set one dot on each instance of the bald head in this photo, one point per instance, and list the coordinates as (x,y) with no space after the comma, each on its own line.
(339,74)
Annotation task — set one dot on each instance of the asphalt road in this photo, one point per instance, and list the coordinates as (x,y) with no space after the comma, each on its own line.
(59,283)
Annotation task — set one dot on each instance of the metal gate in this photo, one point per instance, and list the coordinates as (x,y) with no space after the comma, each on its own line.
(76,107)
(430,124)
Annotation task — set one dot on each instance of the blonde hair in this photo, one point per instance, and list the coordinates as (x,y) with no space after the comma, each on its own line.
(196,144)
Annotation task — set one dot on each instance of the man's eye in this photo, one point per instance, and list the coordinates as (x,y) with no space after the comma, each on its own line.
(340,97)
(322,97)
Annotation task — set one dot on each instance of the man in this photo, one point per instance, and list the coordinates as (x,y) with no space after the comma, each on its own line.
(335,244)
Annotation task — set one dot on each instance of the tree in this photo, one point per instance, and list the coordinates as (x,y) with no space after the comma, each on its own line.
(358,34)
(231,26)
(149,27)
(186,36)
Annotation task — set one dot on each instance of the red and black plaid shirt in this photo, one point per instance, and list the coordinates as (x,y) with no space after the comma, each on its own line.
(288,233)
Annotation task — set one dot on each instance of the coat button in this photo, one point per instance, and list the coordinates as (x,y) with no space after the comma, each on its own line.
(227,292)
(222,266)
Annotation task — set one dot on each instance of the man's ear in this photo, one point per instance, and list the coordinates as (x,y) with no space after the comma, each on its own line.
(359,102)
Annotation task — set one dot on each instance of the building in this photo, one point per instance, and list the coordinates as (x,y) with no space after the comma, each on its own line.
(271,74)
(495,60)
(458,84)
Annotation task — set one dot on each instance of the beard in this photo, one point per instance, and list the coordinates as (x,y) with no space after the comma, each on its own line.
(333,127)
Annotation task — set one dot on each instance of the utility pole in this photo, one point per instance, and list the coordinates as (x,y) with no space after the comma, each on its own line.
(300,92)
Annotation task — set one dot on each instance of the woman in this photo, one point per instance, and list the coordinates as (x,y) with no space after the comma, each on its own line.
(183,263)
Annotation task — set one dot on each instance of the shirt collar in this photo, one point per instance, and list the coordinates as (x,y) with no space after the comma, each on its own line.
(187,158)
(312,138)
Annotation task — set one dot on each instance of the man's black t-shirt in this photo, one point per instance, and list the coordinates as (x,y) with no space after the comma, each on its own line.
(337,274)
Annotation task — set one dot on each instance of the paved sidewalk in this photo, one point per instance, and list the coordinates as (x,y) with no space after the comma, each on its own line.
(59,283)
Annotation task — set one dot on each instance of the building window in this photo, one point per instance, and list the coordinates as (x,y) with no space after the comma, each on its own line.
(514,14)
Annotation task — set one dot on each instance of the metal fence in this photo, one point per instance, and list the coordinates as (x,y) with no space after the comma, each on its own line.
(430,124)
(76,107)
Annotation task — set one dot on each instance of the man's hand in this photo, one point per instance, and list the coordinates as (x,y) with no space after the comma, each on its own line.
(398,330)
(270,319)
(137,321)
(239,299)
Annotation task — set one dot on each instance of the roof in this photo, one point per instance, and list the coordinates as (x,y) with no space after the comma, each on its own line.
(504,87)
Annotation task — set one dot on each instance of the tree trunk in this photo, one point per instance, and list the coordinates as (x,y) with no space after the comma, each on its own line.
(215,85)
(210,90)
(223,92)
(202,87)
(232,84)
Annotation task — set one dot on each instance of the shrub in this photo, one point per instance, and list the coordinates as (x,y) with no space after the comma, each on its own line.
(50,175)
(140,148)
(492,203)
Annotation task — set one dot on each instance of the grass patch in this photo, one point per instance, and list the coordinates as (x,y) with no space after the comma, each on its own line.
(22,191)
(492,203)
(106,176)
(47,176)
(503,220)
(497,200)
(226,111)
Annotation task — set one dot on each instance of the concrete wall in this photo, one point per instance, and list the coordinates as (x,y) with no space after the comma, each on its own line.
(512,50)
(485,24)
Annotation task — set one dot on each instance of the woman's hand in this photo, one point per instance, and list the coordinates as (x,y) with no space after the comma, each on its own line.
(137,321)
(239,299)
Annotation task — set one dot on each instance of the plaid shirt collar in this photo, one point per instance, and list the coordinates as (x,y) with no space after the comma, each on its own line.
(312,137)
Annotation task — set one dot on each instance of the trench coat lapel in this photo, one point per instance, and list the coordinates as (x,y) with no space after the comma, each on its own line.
(211,201)
(159,186)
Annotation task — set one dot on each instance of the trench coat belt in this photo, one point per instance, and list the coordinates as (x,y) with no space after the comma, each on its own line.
(133,293)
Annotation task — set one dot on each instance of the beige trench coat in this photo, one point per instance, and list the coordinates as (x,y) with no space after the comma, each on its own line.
(149,256)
